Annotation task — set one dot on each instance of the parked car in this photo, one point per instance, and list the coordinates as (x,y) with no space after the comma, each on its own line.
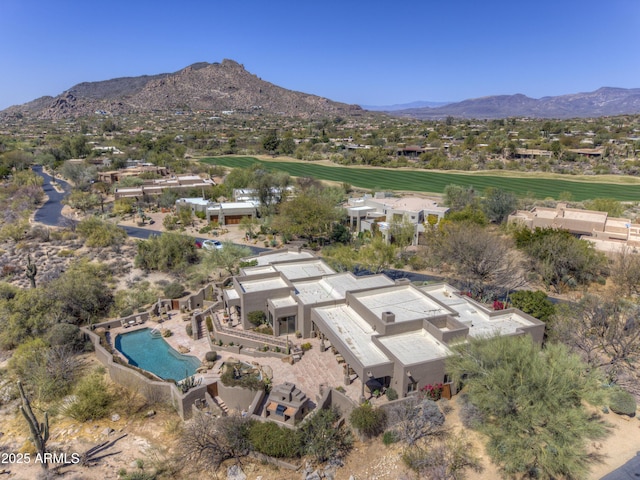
(211,244)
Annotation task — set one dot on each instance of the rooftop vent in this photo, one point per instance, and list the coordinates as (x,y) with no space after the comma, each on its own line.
(388,317)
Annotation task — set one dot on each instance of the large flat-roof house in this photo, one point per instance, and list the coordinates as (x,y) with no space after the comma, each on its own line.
(390,332)
(604,231)
(114,176)
(384,211)
(157,186)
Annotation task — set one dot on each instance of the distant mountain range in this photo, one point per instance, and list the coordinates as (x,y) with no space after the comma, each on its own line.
(605,101)
(403,106)
(227,86)
(216,87)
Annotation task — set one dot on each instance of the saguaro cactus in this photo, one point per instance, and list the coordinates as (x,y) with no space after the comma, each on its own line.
(39,431)
(31,271)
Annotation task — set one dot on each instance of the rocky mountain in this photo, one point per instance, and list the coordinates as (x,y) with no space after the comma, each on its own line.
(214,87)
(603,102)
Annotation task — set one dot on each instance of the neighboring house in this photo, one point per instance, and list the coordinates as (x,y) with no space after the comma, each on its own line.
(157,186)
(251,195)
(225,213)
(115,176)
(231,213)
(388,333)
(607,233)
(366,211)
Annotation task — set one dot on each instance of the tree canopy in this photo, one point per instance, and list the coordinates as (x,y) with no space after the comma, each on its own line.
(531,405)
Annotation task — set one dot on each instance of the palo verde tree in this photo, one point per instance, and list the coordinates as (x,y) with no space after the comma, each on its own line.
(532,405)
(562,260)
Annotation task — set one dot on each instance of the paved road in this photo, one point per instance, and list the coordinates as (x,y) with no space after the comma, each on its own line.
(51,212)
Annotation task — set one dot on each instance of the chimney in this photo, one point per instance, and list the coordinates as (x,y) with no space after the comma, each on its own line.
(388,317)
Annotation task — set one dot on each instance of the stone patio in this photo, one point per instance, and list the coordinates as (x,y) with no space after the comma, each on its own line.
(314,369)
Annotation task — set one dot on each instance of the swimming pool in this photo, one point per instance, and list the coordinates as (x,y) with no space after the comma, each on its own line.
(153,354)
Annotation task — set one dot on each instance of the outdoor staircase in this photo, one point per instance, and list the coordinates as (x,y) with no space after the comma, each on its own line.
(222,405)
(202,329)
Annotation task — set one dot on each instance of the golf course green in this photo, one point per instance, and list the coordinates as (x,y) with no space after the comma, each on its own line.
(434,182)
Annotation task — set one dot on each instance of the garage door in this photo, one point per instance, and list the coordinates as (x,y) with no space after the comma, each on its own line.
(233,219)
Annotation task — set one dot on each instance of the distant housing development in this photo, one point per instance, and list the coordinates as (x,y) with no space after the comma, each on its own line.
(606,233)
(388,333)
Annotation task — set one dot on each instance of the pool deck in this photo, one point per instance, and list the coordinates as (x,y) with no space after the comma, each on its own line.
(315,368)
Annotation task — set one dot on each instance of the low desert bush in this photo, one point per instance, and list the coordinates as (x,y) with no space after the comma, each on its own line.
(274,440)
(93,399)
(622,402)
(369,421)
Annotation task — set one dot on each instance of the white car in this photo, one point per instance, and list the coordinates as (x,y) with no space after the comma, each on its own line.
(212,244)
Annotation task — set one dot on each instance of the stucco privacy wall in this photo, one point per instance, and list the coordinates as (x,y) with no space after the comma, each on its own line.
(152,390)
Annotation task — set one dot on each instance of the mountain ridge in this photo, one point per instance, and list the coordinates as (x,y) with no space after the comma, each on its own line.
(606,101)
(201,86)
(227,86)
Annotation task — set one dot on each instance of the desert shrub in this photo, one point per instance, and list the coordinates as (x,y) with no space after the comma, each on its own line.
(209,324)
(211,356)
(470,415)
(273,440)
(265,329)
(369,421)
(391,394)
(245,380)
(306,347)
(65,334)
(174,290)
(189,329)
(622,402)
(323,438)
(100,233)
(93,399)
(389,437)
(414,419)
(257,317)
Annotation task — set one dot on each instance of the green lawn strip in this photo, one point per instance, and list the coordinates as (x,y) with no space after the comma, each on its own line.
(428,181)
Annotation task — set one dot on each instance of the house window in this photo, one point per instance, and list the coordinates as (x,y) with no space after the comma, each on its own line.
(447,378)
(412,387)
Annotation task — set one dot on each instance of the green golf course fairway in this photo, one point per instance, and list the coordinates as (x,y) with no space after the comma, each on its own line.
(434,182)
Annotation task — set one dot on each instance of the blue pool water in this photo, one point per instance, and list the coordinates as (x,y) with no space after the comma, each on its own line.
(153,354)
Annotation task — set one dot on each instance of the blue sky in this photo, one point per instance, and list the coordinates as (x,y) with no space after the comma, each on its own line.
(372,53)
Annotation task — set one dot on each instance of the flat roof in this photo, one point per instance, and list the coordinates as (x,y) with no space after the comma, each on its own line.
(336,286)
(231,293)
(283,302)
(280,256)
(415,347)
(485,326)
(231,205)
(404,301)
(258,269)
(354,333)
(262,284)
(299,270)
